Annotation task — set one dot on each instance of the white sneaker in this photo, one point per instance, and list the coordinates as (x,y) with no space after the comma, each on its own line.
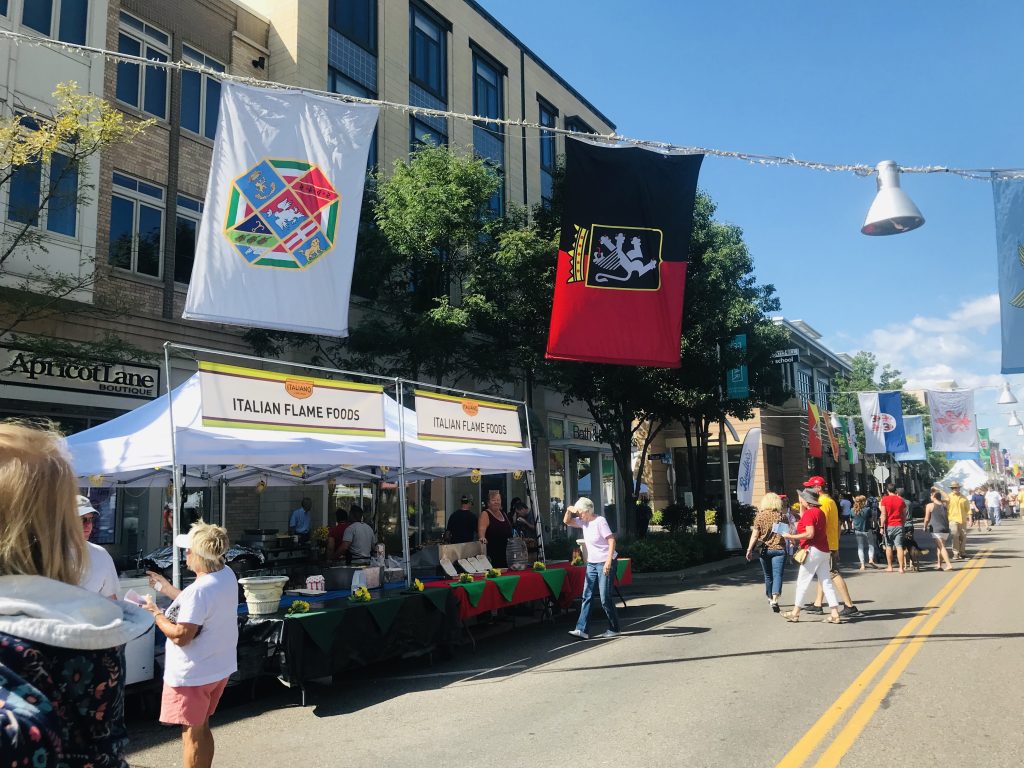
(609,633)
(580,634)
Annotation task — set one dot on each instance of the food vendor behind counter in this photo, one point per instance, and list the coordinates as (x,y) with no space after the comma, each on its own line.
(461,527)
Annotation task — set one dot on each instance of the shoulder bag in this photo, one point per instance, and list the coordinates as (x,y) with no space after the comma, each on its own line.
(800,555)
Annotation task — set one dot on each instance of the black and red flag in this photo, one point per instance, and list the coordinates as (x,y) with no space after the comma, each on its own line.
(622,257)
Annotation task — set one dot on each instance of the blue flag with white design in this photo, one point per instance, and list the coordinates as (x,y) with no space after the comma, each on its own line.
(914,426)
(277,242)
(1008,196)
(882,413)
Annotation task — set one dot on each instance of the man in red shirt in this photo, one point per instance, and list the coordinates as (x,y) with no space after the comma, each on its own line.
(893,512)
(335,535)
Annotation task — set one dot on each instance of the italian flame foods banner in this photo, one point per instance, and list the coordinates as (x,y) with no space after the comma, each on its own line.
(466,420)
(246,398)
(952,419)
(622,257)
(882,413)
(1008,199)
(277,241)
(914,426)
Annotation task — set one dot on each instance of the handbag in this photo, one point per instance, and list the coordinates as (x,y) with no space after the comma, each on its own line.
(800,555)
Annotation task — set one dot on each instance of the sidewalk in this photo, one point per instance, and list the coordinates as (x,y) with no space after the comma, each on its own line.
(725,565)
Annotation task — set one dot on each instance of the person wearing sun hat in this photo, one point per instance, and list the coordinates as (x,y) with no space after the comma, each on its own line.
(959,511)
(100,574)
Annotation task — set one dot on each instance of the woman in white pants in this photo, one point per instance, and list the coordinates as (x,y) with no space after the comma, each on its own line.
(813,539)
(862,531)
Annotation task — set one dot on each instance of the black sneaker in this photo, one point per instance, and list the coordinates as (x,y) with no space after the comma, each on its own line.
(849,610)
(814,609)
(775,607)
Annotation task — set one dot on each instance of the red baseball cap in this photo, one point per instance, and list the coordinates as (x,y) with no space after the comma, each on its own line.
(816,480)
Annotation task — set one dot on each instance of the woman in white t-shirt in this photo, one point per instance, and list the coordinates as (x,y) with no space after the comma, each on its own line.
(201,626)
(601,556)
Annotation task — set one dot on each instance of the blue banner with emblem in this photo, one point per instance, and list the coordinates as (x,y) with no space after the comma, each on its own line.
(1008,197)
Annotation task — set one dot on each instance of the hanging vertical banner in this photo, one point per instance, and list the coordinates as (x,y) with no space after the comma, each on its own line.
(813,439)
(622,257)
(737,381)
(882,413)
(952,419)
(849,431)
(833,442)
(748,467)
(1008,196)
(277,240)
(983,448)
(914,426)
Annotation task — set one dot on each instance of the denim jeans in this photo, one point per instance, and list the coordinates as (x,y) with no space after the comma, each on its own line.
(773,563)
(865,544)
(993,515)
(596,579)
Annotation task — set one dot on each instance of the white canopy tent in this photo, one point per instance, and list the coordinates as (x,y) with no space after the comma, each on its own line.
(968,473)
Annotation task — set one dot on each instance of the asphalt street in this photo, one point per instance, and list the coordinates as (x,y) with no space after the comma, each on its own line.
(703,675)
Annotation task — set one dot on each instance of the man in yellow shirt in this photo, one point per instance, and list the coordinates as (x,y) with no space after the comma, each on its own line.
(831,512)
(959,515)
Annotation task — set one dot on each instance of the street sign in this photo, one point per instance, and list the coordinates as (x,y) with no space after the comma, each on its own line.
(784,356)
(881,473)
(655,456)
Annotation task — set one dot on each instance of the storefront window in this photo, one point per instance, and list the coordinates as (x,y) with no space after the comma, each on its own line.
(556,428)
(430,512)
(582,479)
(608,490)
(556,483)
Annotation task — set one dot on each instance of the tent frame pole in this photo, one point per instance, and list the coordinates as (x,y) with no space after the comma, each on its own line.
(176,473)
(403,515)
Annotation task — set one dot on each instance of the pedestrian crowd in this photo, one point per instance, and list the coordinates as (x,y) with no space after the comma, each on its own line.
(808,535)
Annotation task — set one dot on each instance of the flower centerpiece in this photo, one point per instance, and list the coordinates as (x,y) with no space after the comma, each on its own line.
(361,595)
(465,578)
(539,566)
(299,606)
(415,588)
(493,573)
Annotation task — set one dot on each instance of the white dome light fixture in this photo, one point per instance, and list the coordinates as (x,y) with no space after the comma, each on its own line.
(1006,397)
(1015,420)
(892,211)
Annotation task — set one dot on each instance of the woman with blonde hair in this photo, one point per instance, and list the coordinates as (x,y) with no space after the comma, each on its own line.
(768,546)
(201,627)
(61,657)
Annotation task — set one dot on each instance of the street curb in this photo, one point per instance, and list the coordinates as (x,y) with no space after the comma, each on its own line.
(726,565)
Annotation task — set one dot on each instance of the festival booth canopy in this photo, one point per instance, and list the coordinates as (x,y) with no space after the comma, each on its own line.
(968,473)
(135,449)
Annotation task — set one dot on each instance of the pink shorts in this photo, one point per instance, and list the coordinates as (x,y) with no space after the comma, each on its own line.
(190,705)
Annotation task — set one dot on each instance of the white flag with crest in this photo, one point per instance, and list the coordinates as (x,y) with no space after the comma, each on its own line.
(277,240)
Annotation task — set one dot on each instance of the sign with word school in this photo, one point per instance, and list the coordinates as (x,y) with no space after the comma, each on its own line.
(246,398)
(466,420)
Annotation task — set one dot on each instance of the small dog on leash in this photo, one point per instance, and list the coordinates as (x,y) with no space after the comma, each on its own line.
(913,554)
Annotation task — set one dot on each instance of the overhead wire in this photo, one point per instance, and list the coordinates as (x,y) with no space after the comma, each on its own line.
(859,169)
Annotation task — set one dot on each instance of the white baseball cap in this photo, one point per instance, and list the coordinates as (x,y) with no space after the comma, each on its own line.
(85,507)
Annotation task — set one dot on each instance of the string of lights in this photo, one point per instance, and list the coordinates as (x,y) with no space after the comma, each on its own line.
(859,169)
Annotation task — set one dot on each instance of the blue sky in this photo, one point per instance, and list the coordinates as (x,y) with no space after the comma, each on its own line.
(922,83)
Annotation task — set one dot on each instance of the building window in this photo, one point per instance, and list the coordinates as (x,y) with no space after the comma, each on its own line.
(356,20)
(549,118)
(821,394)
(427,52)
(488,138)
(45,196)
(200,94)
(337,82)
(144,88)
(803,386)
(189,214)
(422,134)
(136,225)
(577,124)
(3,7)
(775,478)
(64,20)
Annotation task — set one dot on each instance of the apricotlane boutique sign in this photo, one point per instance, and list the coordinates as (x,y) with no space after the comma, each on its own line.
(247,398)
(466,420)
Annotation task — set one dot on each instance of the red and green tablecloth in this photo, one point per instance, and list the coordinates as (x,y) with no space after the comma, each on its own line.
(561,581)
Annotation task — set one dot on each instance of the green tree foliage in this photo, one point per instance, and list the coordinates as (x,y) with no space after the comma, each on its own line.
(78,129)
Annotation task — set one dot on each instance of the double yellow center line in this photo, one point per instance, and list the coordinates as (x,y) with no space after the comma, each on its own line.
(910,638)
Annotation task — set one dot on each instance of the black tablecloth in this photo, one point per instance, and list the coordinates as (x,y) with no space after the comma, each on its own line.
(343,635)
